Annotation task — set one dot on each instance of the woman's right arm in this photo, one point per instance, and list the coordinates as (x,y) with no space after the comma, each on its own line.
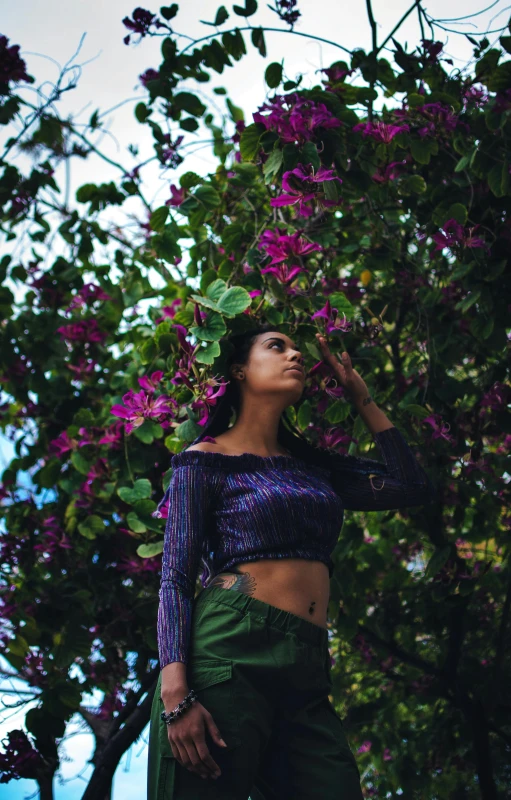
(190,493)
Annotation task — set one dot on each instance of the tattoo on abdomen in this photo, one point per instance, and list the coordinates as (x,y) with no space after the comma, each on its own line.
(244,582)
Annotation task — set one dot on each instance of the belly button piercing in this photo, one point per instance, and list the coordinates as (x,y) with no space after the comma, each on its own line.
(311,609)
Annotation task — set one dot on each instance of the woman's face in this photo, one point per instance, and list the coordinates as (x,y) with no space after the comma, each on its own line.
(275,365)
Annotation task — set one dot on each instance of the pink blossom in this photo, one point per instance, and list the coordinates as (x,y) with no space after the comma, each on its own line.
(453,235)
(282,247)
(439,427)
(295,118)
(365,747)
(210,391)
(380,131)
(301,185)
(141,406)
(86,330)
(148,75)
(332,324)
(283,273)
(151,384)
(178,196)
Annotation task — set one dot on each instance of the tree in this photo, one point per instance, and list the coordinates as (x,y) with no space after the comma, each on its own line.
(389,231)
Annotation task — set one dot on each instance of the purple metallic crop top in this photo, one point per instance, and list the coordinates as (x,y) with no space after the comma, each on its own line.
(227,509)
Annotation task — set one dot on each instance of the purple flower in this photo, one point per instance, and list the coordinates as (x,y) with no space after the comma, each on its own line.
(287,11)
(337,72)
(432,50)
(283,247)
(169,154)
(139,406)
(283,273)
(12,67)
(148,75)
(141,23)
(87,295)
(83,331)
(210,391)
(295,118)
(391,172)
(301,186)
(62,444)
(150,384)
(178,195)
(380,131)
(453,235)
(333,324)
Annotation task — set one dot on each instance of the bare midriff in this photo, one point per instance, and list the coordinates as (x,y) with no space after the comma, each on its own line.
(291,584)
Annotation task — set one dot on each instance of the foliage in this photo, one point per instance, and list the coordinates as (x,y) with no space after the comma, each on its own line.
(320,213)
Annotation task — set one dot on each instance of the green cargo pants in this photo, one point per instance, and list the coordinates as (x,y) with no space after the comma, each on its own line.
(264,675)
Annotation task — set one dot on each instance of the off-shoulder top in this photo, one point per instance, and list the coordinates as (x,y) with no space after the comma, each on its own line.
(222,510)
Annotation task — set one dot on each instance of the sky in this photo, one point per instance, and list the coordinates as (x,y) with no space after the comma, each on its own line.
(51,33)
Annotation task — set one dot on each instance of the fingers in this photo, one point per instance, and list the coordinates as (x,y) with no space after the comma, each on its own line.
(208,769)
(193,754)
(213,730)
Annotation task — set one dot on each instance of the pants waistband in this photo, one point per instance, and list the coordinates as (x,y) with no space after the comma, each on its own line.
(286,621)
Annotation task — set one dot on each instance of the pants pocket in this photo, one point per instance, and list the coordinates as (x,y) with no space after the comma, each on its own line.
(213,684)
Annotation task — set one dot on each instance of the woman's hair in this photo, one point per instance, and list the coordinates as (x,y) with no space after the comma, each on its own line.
(289,437)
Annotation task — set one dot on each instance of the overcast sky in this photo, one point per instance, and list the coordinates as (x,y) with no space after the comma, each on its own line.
(49,34)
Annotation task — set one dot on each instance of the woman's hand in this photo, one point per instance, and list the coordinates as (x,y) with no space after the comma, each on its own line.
(188,743)
(343,370)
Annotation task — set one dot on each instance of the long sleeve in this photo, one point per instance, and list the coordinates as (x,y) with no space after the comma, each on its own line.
(368,485)
(190,494)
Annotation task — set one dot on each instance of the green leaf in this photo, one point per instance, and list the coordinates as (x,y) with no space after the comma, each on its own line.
(207,355)
(208,196)
(189,179)
(272,165)
(234,44)
(149,550)
(221,15)
(212,329)
(459,212)
(437,561)
(482,328)
(134,523)
(234,301)
(337,412)
(130,494)
(331,191)
(421,150)
(506,43)
(304,415)
(258,41)
(311,155)
(186,101)
(236,113)
(144,433)
(249,142)
(169,12)
(142,112)
(412,184)
(498,179)
(273,74)
(158,218)
(80,463)
(91,527)
(216,289)
(189,124)
(469,301)
(250,8)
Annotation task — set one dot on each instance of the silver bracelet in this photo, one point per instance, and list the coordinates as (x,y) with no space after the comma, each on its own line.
(171,716)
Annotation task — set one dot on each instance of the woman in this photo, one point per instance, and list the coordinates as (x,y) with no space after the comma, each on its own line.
(261,507)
